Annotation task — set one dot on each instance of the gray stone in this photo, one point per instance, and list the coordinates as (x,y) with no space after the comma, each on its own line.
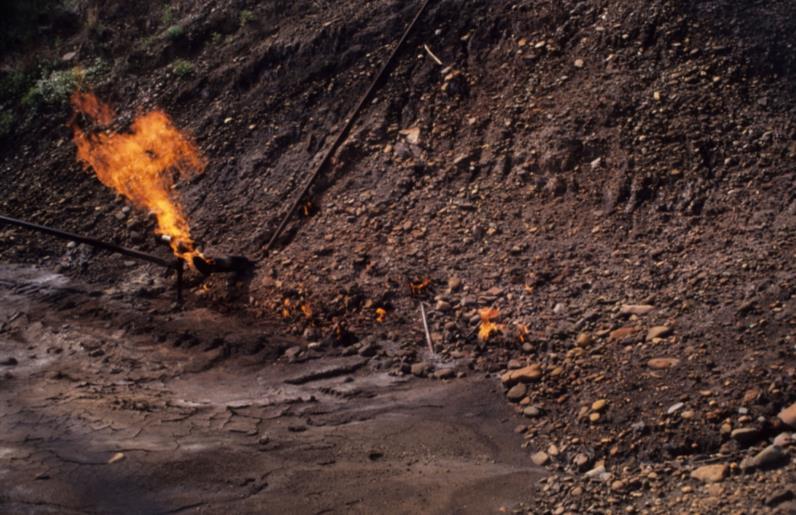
(745,435)
(420,369)
(517,392)
(711,473)
(769,458)
(540,458)
(788,415)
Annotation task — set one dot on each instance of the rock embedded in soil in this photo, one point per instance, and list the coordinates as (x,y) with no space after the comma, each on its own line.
(769,458)
(745,435)
(636,309)
(445,373)
(662,363)
(517,392)
(581,461)
(788,415)
(526,374)
(659,331)
(420,369)
(783,440)
(711,473)
(622,333)
(779,497)
(540,458)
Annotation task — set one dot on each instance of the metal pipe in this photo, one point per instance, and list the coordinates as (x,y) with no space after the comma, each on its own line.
(111,247)
(349,122)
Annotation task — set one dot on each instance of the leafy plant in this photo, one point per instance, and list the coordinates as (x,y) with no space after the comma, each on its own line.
(182,68)
(215,38)
(55,87)
(175,32)
(246,17)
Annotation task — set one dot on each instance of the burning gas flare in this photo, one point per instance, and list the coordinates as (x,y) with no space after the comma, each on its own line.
(488,327)
(141,165)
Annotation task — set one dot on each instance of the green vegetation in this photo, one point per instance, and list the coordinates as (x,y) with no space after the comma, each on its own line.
(6,123)
(175,32)
(55,86)
(246,17)
(182,68)
(215,38)
(168,15)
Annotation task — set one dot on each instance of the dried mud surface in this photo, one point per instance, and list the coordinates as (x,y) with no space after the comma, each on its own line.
(617,179)
(101,419)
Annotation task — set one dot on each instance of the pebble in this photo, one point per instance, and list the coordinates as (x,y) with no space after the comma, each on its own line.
(517,392)
(540,458)
(442,306)
(622,333)
(675,407)
(420,369)
(769,458)
(779,497)
(662,363)
(788,415)
(745,435)
(531,411)
(783,440)
(581,461)
(527,374)
(659,331)
(711,473)
(618,486)
(445,373)
(578,63)
(636,309)
(583,339)
(454,283)
(598,472)
(599,405)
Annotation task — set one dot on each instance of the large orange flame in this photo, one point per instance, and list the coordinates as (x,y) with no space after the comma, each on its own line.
(141,165)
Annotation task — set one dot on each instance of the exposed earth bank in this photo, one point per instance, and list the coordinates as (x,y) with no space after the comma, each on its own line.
(616,179)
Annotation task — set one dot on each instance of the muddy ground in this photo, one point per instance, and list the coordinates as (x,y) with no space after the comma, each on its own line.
(617,179)
(102,419)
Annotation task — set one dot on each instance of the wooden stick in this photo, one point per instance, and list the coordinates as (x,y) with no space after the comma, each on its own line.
(431,54)
(425,326)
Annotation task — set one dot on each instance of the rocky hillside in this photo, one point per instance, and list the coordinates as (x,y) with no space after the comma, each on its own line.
(617,178)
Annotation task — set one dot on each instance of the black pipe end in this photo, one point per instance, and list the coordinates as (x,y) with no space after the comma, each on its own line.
(222,265)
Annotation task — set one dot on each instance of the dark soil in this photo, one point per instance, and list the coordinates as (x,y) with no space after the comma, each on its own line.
(566,159)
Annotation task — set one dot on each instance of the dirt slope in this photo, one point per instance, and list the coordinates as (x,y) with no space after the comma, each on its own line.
(567,159)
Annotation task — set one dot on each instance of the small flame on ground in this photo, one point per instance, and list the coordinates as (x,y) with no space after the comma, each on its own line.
(488,327)
(287,308)
(141,165)
(381,315)
(418,286)
(522,332)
